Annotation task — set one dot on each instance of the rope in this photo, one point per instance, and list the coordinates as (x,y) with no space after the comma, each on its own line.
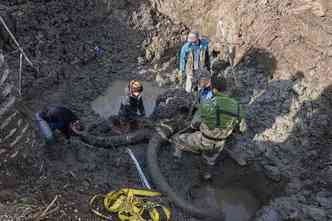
(20,76)
(22,53)
(16,42)
(131,205)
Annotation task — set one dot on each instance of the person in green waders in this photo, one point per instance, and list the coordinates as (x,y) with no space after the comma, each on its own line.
(215,120)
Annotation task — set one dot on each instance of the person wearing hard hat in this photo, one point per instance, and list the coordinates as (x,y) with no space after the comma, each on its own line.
(194,56)
(132,107)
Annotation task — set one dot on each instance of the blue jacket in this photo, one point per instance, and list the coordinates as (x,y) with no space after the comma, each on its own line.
(204,95)
(196,48)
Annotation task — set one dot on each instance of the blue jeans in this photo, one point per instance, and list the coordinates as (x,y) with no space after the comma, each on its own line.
(44,129)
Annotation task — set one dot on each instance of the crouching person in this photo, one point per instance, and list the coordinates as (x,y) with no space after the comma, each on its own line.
(215,120)
(132,107)
(57,118)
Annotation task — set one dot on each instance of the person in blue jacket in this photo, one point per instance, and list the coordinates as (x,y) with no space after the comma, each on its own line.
(205,92)
(194,56)
(57,118)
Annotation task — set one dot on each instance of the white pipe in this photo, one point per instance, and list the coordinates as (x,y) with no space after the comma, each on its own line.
(139,169)
(20,75)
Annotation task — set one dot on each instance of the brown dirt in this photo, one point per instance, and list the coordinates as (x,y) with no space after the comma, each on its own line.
(60,38)
(296,32)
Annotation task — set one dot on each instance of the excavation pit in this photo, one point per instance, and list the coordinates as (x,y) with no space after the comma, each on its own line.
(237,203)
(238,191)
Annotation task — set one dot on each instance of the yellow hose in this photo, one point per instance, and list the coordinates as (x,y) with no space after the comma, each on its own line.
(132,205)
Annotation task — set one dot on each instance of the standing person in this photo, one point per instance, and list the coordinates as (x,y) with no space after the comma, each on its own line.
(57,118)
(218,117)
(194,56)
(132,107)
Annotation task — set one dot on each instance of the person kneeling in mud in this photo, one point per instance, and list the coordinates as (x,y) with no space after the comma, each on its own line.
(132,107)
(57,118)
(215,120)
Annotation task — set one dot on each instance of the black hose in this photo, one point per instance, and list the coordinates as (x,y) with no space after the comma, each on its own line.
(152,160)
(163,186)
(115,141)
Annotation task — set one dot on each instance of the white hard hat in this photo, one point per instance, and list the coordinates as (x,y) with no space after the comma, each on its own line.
(193,36)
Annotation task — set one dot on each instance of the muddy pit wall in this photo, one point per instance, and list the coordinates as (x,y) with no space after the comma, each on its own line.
(288,116)
(284,53)
(15,128)
(297,33)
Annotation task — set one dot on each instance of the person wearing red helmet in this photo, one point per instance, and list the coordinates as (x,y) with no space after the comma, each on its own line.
(132,107)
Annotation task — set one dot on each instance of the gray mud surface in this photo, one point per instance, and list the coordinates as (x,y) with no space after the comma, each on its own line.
(60,37)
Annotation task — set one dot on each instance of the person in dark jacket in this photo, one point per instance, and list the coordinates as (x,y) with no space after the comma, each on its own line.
(57,118)
(132,107)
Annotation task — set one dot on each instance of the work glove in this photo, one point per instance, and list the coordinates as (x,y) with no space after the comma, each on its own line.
(179,77)
(164,130)
(196,121)
(141,115)
(241,127)
(195,125)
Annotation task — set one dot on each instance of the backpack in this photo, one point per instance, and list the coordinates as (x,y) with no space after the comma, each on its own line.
(220,111)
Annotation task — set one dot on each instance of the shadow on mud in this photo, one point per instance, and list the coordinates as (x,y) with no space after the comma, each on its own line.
(244,188)
(314,122)
(234,188)
(239,192)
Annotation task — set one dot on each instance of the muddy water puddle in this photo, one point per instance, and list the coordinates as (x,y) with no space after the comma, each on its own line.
(239,192)
(108,104)
(237,203)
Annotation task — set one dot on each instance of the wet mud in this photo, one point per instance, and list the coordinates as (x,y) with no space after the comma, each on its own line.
(73,76)
(236,203)
(238,191)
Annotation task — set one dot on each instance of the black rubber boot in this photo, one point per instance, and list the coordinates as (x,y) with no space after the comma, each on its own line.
(210,158)
(208,172)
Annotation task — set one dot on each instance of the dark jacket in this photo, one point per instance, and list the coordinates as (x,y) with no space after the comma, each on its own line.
(59,118)
(131,107)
